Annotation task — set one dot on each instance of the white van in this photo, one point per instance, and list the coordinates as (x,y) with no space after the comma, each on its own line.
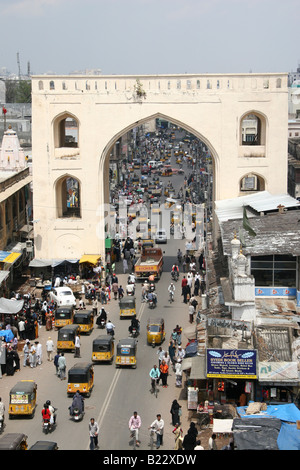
(152,164)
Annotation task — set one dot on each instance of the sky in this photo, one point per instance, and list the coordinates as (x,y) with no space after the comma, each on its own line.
(137,37)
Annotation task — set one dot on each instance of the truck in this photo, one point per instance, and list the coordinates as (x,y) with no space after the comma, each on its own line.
(149,263)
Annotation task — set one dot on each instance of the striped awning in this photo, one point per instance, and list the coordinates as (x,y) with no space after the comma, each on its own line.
(9,256)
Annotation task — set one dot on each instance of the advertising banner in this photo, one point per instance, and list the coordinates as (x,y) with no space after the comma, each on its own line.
(231,363)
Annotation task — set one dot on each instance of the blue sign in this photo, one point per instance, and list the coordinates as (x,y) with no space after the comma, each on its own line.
(275,291)
(231,363)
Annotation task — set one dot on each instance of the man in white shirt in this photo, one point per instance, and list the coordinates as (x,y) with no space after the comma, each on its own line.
(49,348)
(77,346)
(158,426)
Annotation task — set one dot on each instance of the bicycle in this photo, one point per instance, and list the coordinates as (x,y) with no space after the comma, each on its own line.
(154,388)
(133,436)
(171,299)
(152,434)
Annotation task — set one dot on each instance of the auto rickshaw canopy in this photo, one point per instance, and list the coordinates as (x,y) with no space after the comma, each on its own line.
(67,331)
(63,313)
(44,445)
(79,372)
(83,317)
(127,302)
(155,322)
(24,387)
(102,343)
(12,441)
(126,346)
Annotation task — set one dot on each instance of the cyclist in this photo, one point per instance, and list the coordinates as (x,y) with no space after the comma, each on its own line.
(134,426)
(154,374)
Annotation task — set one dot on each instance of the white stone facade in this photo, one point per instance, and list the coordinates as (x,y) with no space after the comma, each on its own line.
(211,107)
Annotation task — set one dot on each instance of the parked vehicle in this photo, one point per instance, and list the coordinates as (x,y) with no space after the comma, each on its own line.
(63,297)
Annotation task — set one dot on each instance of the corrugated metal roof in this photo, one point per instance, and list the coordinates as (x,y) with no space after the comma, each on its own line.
(228,209)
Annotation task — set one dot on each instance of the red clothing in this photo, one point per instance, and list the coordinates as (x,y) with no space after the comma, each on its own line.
(184,282)
(46,414)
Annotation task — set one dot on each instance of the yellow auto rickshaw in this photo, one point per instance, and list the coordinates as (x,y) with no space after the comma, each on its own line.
(66,337)
(81,378)
(103,349)
(127,307)
(13,441)
(22,399)
(126,352)
(63,316)
(85,320)
(167,171)
(155,331)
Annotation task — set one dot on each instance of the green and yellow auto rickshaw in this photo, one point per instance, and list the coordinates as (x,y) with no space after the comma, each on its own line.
(103,349)
(127,307)
(63,316)
(85,320)
(126,353)
(81,379)
(22,399)
(66,337)
(155,331)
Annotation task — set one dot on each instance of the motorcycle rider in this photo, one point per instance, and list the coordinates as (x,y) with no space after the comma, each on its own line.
(52,412)
(102,316)
(78,402)
(46,413)
(175,271)
(110,328)
(152,296)
(134,324)
(171,289)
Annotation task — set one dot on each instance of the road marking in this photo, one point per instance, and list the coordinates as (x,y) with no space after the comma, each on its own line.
(113,384)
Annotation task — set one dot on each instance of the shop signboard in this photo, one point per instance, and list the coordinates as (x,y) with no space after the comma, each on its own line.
(231,363)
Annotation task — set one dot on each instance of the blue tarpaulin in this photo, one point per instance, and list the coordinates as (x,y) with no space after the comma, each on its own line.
(285,412)
(7,335)
(289,437)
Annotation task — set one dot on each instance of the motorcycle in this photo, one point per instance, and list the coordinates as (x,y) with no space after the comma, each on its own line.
(174,275)
(48,426)
(101,323)
(77,414)
(152,288)
(134,332)
(111,332)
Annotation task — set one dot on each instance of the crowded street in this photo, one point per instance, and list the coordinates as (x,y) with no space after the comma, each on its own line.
(119,391)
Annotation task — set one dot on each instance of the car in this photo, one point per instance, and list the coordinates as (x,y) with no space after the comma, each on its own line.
(161,236)
(63,296)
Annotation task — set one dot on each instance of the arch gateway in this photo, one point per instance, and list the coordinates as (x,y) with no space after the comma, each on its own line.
(70,177)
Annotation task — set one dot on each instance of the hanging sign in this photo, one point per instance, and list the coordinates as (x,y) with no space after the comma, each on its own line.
(231,363)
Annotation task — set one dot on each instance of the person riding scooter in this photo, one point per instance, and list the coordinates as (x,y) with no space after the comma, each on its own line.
(78,402)
(102,317)
(134,324)
(152,297)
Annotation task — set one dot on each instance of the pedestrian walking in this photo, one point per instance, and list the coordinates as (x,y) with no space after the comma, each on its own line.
(178,432)
(26,351)
(49,348)
(94,433)
(212,445)
(77,346)
(56,357)
(32,356)
(39,353)
(175,412)
(62,366)
(125,266)
(178,373)
(164,372)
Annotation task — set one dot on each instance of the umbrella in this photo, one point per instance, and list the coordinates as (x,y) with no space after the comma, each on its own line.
(7,335)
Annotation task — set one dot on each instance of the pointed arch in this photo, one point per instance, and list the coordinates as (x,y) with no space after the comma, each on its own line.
(67,190)
(66,130)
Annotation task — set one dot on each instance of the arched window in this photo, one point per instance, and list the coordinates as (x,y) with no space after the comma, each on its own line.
(252,182)
(66,131)
(68,197)
(41,85)
(52,86)
(253,129)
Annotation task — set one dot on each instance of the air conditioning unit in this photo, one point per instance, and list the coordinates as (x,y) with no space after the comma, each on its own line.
(249,183)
